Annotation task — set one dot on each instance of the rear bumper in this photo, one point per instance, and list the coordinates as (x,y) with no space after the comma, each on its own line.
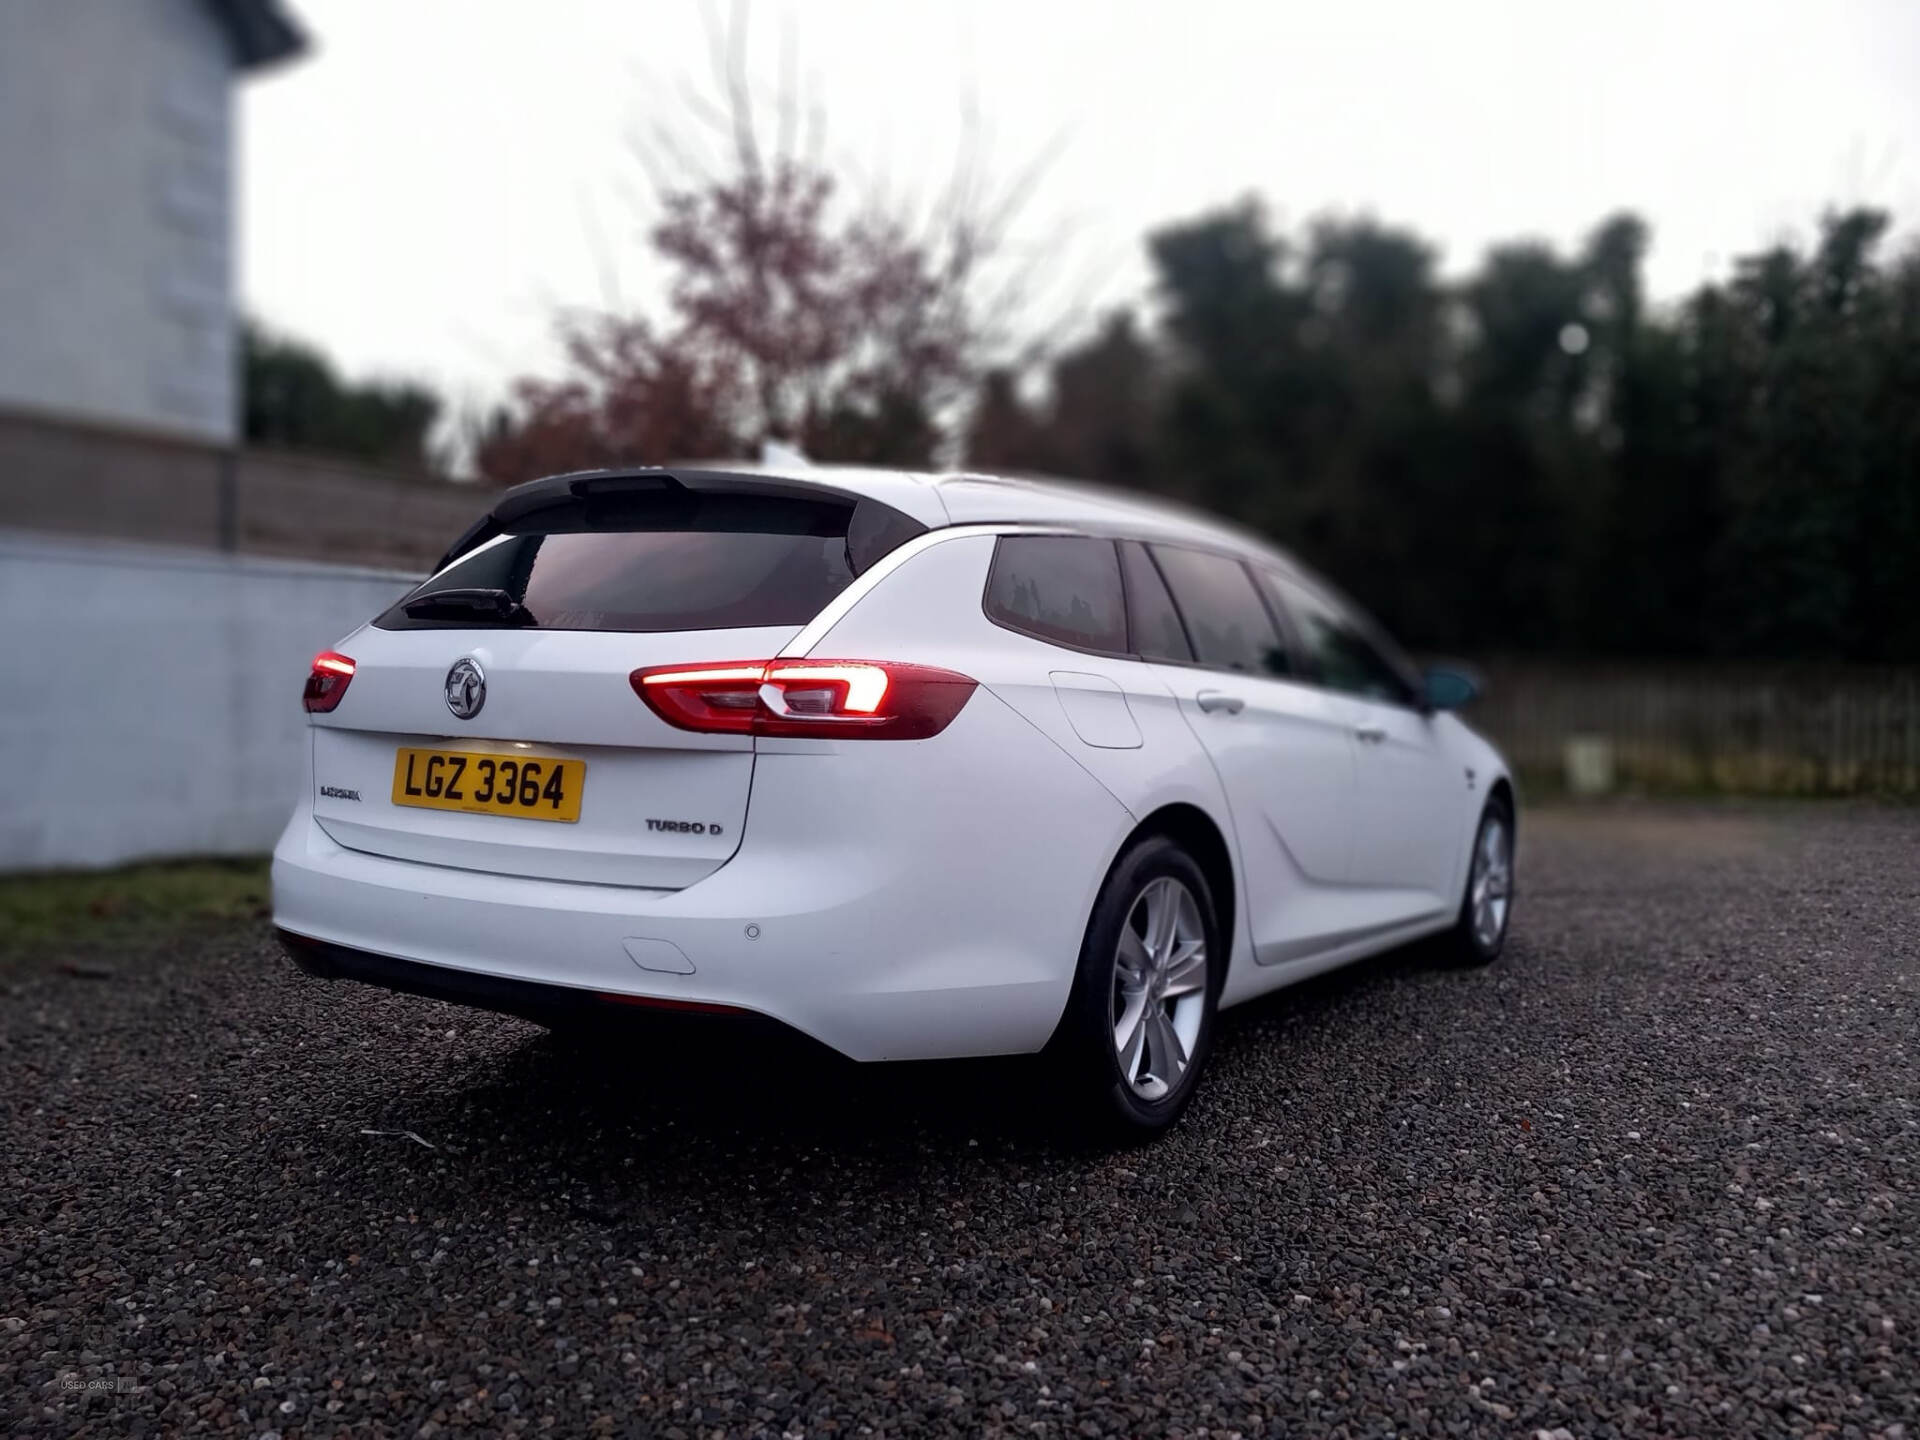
(895,919)
(522,945)
(543,1004)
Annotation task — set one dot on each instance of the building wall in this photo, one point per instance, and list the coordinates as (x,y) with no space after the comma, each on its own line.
(116,213)
(153,705)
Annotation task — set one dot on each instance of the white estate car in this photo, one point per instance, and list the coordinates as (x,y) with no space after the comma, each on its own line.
(920,766)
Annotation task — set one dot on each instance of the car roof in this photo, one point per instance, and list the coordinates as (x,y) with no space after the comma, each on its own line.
(933,500)
(938,499)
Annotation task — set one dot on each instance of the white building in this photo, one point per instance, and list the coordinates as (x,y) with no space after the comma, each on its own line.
(116,205)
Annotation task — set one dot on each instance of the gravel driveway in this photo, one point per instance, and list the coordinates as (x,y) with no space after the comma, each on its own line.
(1653,1174)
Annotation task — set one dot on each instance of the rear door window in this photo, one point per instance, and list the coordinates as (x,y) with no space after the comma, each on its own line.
(1152,620)
(688,562)
(1225,616)
(1060,588)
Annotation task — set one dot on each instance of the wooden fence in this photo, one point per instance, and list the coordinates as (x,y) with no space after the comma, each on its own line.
(1703,728)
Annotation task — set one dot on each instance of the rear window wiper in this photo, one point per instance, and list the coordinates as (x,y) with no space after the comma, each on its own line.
(488,607)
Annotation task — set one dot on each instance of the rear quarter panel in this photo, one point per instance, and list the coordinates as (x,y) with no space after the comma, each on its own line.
(928,610)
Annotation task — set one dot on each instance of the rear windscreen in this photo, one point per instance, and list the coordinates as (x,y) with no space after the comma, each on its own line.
(689,562)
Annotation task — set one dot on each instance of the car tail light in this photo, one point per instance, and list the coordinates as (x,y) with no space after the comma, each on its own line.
(812,699)
(328,680)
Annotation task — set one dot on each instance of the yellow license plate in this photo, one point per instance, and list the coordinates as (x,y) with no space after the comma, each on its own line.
(533,787)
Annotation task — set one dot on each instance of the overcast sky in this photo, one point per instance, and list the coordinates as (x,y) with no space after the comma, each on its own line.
(436,179)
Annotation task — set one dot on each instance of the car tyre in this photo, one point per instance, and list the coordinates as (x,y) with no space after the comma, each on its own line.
(1139,1023)
(1486,909)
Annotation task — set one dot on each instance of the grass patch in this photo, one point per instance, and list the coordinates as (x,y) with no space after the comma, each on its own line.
(69,910)
(1722,780)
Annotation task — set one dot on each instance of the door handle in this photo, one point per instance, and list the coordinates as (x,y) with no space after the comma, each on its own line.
(1212,700)
(1370,734)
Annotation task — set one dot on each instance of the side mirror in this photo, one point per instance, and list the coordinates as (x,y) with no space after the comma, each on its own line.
(1449,687)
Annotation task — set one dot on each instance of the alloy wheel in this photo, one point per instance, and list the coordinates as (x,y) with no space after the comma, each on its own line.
(1490,889)
(1159,987)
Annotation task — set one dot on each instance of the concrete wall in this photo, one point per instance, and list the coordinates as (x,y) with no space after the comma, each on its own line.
(151,697)
(116,212)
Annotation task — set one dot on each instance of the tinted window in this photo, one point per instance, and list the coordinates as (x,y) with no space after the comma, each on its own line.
(1063,588)
(1335,645)
(1152,621)
(687,563)
(1226,619)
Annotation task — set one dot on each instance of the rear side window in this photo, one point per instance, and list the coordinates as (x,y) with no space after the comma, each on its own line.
(1226,618)
(1154,623)
(682,562)
(1060,588)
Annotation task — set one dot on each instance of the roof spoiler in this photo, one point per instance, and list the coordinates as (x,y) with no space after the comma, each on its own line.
(873,528)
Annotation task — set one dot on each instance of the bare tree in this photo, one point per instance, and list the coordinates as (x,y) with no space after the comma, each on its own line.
(795,311)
